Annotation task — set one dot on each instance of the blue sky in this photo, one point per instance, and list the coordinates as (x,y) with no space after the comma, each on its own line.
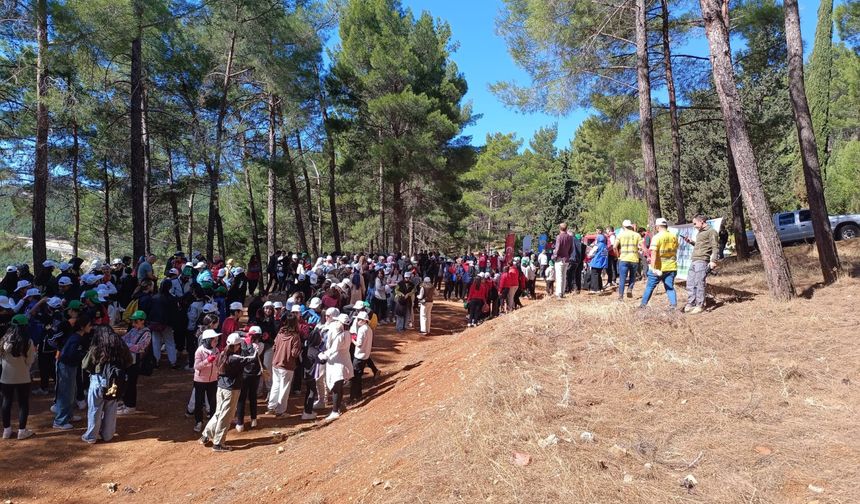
(484,59)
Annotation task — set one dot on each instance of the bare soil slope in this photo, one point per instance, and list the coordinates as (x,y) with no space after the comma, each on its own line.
(757,401)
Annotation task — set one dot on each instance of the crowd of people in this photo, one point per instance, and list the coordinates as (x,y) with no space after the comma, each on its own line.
(88,332)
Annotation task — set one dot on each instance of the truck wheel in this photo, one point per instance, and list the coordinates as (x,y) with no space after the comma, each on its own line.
(849,231)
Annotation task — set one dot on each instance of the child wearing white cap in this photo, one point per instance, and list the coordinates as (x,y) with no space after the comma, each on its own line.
(338,366)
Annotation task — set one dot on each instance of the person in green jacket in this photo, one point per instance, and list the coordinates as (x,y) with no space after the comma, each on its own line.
(706,248)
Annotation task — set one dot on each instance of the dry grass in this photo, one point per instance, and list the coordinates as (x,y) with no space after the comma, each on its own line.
(757,400)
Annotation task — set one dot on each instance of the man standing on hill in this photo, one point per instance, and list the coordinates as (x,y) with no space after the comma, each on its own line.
(627,246)
(561,256)
(664,263)
(706,249)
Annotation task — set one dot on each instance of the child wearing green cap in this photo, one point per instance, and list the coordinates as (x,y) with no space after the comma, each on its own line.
(138,340)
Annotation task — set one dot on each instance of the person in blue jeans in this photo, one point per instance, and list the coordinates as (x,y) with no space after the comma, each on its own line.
(68,365)
(663,263)
(107,348)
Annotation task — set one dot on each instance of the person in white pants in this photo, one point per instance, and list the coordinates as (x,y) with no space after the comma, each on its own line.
(561,255)
(286,351)
(426,293)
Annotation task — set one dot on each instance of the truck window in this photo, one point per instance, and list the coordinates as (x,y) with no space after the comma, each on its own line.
(805,215)
(785,219)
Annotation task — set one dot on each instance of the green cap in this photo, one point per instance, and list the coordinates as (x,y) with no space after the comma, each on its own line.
(187,270)
(138,315)
(74,305)
(221,290)
(92,295)
(20,320)
(3,292)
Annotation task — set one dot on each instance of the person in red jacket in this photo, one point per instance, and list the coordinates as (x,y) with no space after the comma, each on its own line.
(475,301)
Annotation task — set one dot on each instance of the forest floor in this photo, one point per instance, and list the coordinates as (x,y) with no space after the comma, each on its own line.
(756,401)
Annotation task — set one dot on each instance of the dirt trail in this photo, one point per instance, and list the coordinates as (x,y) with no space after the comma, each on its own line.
(156,457)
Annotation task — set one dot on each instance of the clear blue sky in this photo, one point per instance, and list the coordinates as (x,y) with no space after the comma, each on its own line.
(484,59)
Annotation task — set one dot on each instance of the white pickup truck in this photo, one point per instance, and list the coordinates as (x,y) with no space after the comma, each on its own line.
(796,226)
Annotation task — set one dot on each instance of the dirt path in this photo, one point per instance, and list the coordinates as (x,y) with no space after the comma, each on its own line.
(156,457)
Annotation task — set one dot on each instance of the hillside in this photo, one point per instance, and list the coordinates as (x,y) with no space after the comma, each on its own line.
(757,401)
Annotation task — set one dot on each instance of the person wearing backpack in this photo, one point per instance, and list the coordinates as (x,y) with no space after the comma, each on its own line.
(17,354)
(251,345)
(138,340)
(68,366)
(106,362)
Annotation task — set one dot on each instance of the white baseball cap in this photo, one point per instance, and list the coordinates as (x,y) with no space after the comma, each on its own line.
(315,303)
(64,281)
(296,309)
(64,266)
(209,334)
(6,303)
(22,284)
(426,279)
(236,305)
(222,272)
(11,268)
(358,305)
(49,264)
(255,330)
(210,308)
(278,305)
(343,318)
(173,271)
(234,339)
(268,304)
(361,316)
(55,302)
(116,262)
(660,221)
(626,223)
(33,292)
(200,265)
(332,312)
(407,275)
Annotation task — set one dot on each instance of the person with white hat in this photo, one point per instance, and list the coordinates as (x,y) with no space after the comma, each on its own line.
(205,375)
(363,347)
(231,366)
(426,294)
(627,244)
(286,352)
(139,340)
(663,263)
(10,280)
(17,354)
(338,366)
(208,322)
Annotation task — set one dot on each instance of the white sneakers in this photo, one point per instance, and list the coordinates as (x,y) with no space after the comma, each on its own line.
(253,423)
(333,416)
(309,416)
(125,410)
(22,433)
(67,426)
(240,427)
(319,405)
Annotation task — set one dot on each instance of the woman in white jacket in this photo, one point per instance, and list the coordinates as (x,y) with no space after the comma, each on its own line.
(338,365)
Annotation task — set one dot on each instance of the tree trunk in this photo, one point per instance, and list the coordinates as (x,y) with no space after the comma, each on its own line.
(773,258)
(332,165)
(646,123)
(294,189)
(137,168)
(190,229)
(106,214)
(147,161)
(827,254)
(411,237)
(76,188)
(40,170)
(303,163)
(382,236)
(271,184)
(397,210)
(253,209)
(319,204)
(739,228)
(215,224)
(677,191)
(174,204)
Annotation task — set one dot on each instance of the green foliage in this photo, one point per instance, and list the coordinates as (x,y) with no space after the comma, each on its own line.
(612,207)
(818,75)
(841,189)
(848,23)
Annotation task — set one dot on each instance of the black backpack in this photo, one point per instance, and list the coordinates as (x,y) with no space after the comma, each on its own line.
(115,381)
